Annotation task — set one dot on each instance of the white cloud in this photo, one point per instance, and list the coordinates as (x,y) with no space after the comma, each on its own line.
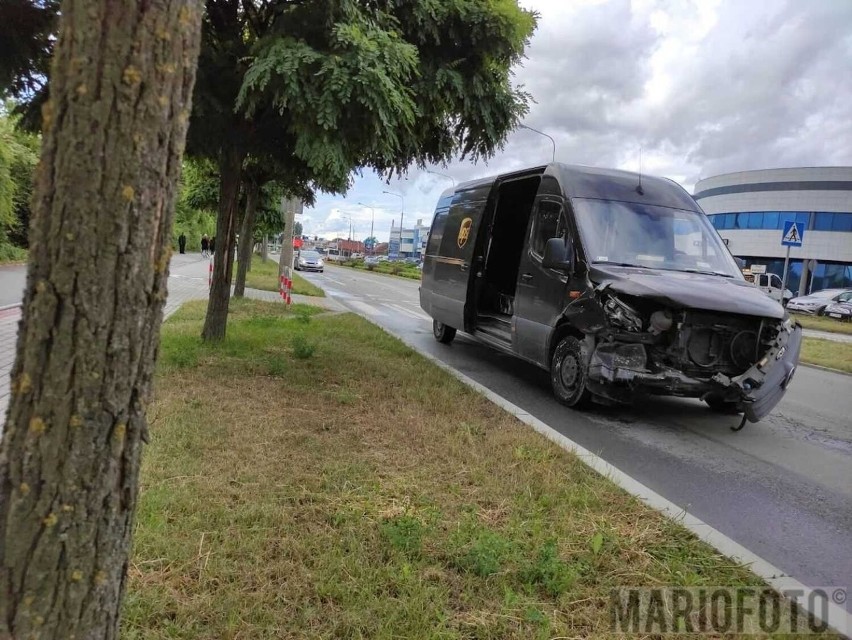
(701,86)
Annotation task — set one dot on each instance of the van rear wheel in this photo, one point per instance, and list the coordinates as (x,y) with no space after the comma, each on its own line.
(442,332)
(568,371)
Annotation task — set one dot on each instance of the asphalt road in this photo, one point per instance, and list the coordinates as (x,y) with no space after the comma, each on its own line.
(782,487)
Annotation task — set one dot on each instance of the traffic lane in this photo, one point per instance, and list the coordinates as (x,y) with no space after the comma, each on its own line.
(798,519)
(13,280)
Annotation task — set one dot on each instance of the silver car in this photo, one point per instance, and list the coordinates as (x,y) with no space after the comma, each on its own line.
(309,261)
(815,303)
(840,310)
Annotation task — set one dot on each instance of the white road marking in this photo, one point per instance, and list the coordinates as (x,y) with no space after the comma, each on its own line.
(408,312)
(365,308)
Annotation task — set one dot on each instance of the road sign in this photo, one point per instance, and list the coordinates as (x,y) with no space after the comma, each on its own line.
(794,233)
(758,268)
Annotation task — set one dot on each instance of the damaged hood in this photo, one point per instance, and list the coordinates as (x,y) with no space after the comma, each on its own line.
(679,290)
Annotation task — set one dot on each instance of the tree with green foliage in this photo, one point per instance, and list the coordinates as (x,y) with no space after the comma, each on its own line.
(18,159)
(324,87)
(262,195)
(195,213)
(27,36)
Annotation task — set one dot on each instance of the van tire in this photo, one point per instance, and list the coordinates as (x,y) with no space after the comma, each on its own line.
(568,371)
(442,332)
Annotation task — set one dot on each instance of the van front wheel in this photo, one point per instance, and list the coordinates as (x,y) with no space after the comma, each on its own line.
(442,332)
(568,370)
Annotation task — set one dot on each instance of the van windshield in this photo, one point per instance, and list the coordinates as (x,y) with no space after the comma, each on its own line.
(653,237)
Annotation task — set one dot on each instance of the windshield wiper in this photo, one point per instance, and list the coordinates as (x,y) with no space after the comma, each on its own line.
(706,273)
(624,264)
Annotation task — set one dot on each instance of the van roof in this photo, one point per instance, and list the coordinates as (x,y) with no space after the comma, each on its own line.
(580,181)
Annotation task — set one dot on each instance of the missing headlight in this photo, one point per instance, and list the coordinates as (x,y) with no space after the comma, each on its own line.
(622,314)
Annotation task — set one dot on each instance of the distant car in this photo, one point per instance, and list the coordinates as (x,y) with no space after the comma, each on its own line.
(815,303)
(840,310)
(309,261)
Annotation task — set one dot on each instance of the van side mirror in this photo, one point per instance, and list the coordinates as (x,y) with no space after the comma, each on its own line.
(558,254)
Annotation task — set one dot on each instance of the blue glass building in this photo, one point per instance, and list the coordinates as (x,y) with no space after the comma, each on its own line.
(749,209)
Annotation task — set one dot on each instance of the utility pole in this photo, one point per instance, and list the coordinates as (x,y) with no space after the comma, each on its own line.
(401,214)
(290,206)
(372,224)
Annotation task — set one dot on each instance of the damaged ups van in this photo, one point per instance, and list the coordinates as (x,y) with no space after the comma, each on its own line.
(615,283)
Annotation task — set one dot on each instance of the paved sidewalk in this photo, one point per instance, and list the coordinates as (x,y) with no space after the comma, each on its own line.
(181,289)
(827,335)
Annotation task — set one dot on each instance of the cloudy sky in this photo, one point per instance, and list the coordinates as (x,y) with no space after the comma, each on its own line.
(702,87)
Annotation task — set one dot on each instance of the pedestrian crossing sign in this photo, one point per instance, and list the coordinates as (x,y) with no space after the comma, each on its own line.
(793,234)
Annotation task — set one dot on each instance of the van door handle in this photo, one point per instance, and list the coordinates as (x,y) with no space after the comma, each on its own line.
(526,277)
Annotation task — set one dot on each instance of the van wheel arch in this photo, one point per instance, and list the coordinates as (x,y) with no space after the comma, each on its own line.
(564,328)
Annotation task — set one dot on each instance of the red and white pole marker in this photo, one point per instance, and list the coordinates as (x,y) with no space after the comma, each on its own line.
(281,287)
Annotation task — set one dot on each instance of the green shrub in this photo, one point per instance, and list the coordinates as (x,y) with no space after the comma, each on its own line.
(404,533)
(302,348)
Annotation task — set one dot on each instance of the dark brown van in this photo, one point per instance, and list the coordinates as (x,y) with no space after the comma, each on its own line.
(614,282)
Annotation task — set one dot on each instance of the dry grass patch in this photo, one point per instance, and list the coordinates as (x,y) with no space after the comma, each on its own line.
(362,492)
(824,324)
(827,353)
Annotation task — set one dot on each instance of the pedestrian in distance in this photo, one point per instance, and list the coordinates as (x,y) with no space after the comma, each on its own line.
(205,246)
(182,242)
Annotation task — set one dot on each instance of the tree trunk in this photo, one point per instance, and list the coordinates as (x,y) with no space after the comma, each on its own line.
(103,207)
(246,238)
(230,168)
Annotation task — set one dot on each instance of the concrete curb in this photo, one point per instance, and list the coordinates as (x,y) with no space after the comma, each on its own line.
(837,617)
(829,369)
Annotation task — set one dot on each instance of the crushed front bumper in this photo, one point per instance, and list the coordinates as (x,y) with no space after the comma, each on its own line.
(618,372)
(760,388)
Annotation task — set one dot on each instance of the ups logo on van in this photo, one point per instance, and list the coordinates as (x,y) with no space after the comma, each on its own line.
(464,231)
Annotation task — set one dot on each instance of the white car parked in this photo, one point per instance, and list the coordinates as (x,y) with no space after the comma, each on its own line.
(814,304)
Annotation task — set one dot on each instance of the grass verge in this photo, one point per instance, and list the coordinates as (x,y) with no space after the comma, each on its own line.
(316,478)
(399,269)
(264,275)
(827,353)
(824,324)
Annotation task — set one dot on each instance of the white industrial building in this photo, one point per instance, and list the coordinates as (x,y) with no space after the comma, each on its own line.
(413,240)
(749,209)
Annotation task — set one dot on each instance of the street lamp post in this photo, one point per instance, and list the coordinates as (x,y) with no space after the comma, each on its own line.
(443,175)
(372,223)
(552,141)
(401,214)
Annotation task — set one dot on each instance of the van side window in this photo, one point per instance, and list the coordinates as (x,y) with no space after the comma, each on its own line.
(548,224)
(436,234)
